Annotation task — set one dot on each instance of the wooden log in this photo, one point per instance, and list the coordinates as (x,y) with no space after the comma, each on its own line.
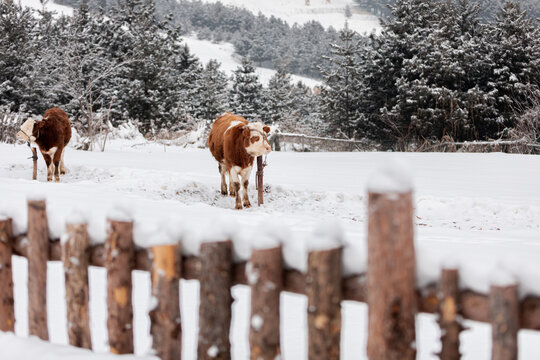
(504,317)
(215,301)
(324,292)
(120,261)
(34,160)
(265,277)
(391,283)
(448,315)
(260,186)
(165,320)
(7,311)
(75,259)
(38,251)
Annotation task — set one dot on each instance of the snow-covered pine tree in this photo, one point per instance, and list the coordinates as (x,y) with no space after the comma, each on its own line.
(214,99)
(339,100)
(245,97)
(515,51)
(279,100)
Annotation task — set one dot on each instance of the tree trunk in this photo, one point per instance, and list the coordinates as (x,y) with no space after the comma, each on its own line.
(504,316)
(7,312)
(391,284)
(448,312)
(166,328)
(120,261)
(75,259)
(215,301)
(38,253)
(265,277)
(324,292)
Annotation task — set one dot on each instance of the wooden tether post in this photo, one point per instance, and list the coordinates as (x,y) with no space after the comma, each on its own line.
(38,254)
(504,317)
(448,315)
(260,187)
(7,311)
(34,159)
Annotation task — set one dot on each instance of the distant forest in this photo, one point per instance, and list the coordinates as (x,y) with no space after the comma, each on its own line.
(489,8)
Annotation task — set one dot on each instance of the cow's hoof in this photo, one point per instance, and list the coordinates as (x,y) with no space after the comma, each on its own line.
(57,180)
(224,192)
(62,172)
(238,207)
(247,205)
(49,179)
(232,194)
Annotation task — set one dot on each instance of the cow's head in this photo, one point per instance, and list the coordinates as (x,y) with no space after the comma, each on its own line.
(26,131)
(255,139)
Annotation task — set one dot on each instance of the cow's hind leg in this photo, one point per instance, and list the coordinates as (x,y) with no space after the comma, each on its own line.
(50,165)
(245,173)
(235,184)
(57,157)
(222,171)
(62,166)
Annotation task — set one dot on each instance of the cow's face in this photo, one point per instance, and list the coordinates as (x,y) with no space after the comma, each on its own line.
(26,131)
(256,141)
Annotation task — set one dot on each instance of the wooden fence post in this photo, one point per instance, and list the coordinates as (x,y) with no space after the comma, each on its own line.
(260,186)
(120,262)
(34,160)
(7,311)
(75,258)
(324,292)
(265,277)
(166,328)
(504,317)
(391,283)
(38,253)
(215,301)
(448,312)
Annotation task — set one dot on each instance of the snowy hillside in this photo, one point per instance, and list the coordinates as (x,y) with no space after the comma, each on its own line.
(328,13)
(480,212)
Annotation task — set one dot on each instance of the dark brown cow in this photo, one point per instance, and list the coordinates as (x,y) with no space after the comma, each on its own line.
(51,135)
(234,143)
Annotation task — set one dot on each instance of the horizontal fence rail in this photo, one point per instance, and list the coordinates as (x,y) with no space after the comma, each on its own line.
(390,290)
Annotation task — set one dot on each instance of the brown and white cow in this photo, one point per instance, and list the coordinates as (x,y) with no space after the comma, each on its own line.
(234,143)
(51,135)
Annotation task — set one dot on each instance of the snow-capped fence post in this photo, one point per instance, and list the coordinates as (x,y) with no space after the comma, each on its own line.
(75,245)
(391,275)
(7,310)
(260,186)
(166,328)
(215,301)
(38,254)
(324,293)
(448,313)
(119,263)
(504,318)
(265,277)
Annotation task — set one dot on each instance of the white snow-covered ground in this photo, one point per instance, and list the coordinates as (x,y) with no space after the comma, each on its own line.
(479,212)
(328,13)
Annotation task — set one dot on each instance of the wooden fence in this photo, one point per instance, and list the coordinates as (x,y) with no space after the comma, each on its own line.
(389,289)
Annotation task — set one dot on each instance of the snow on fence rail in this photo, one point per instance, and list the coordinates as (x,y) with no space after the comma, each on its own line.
(389,289)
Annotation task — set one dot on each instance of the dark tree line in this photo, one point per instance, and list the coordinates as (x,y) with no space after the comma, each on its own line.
(435,71)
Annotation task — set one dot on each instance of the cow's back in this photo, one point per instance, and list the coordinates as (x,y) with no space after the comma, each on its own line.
(54,127)
(217,133)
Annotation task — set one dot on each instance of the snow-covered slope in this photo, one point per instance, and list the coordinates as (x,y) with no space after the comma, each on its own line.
(327,12)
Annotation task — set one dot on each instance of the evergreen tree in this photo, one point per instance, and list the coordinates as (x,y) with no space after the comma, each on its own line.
(279,97)
(246,93)
(214,91)
(340,96)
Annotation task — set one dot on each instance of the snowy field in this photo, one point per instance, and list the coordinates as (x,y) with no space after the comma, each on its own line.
(479,212)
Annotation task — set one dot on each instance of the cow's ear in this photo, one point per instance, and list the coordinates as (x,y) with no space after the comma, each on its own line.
(266,129)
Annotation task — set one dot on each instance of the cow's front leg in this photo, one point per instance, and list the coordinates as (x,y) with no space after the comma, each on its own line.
(245,173)
(222,171)
(235,184)
(62,166)
(50,166)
